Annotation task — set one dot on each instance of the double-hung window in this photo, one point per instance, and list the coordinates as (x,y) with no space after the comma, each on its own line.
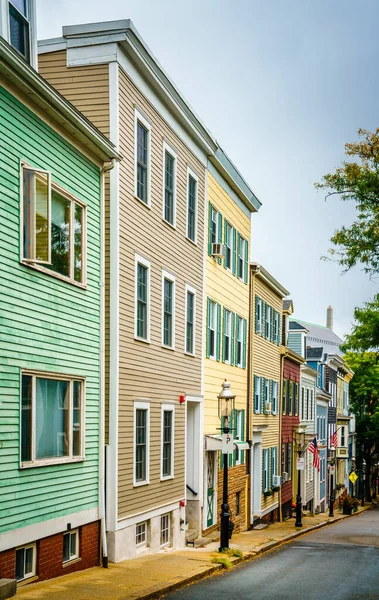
(190,320)
(267,400)
(141,535)
(276,327)
(141,442)
(241,258)
(192,194)
(26,562)
(214,225)
(142,136)
(212,329)
(275,397)
(165,530)
(53,227)
(70,546)
(19,27)
(239,341)
(343,439)
(228,245)
(266,470)
(142,299)
(259,326)
(167,463)
(238,426)
(169,185)
(227,335)
(52,419)
(268,322)
(257,394)
(168,310)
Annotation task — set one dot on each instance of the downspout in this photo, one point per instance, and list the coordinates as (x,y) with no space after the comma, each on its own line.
(104,549)
(282,355)
(249,412)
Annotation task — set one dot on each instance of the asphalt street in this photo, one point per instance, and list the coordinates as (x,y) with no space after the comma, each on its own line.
(338,561)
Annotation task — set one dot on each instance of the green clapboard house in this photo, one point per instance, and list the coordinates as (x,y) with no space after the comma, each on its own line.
(52,169)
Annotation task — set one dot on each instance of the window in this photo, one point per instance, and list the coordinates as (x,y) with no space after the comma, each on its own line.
(53,226)
(275,397)
(70,545)
(238,426)
(167,442)
(190,320)
(52,416)
(169,185)
(284,396)
(165,530)
(228,246)
(19,28)
(274,464)
(268,322)
(307,406)
(141,535)
(168,310)
(343,439)
(227,335)
(25,562)
(265,478)
(142,133)
(142,299)
(141,442)
(257,394)
(276,327)
(241,258)
(239,341)
(258,316)
(238,503)
(212,316)
(302,418)
(192,192)
(267,400)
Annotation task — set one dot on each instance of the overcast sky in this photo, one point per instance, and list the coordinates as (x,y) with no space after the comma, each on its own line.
(282,86)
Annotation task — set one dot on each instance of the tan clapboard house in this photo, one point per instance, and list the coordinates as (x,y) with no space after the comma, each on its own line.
(155,206)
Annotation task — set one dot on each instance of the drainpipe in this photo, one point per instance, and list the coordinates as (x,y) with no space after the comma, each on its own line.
(104,552)
(282,355)
(249,397)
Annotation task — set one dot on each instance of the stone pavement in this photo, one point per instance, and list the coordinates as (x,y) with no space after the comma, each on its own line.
(152,576)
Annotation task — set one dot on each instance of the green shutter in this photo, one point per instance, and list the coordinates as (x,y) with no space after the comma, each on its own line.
(225,239)
(232,337)
(238,252)
(274,467)
(218,333)
(284,394)
(234,252)
(219,233)
(270,468)
(261,408)
(244,324)
(209,229)
(264,395)
(279,327)
(271,383)
(246,265)
(223,333)
(208,353)
(234,435)
(273,313)
(255,393)
(263,470)
(263,318)
(256,314)
(243,412)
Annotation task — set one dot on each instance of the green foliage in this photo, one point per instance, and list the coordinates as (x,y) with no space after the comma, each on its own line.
(223,560)
(365,334)
(358,182)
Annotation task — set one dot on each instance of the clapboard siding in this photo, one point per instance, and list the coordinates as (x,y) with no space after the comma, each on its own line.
(45,324)
(148,370)
(294,342)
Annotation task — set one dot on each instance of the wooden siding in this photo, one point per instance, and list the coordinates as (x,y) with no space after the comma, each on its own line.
(295,342)
(46,324)
(265,361)
(148,370)
(232,293)
(81,85)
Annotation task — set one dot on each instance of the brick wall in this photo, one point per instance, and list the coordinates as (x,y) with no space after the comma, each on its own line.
(291,370)
(50,554)
(236,483)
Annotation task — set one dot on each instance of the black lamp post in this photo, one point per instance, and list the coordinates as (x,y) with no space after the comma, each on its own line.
(225,407)
(299,436)
(331,497)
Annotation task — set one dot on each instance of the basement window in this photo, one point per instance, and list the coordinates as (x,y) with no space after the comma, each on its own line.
(25,562)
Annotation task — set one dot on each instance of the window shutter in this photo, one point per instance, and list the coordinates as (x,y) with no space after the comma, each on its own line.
(218,333)
(270,468)
(273,313)
(255,394)
(209,229)
(262,395)
(234,252)
(225,239)
(238,251)
(263,470)
(208,353)
(232,337)
(234,425)
(256,314)
(243,435)
(244,343)
(284,394)
(263,318)
(246,265)
(223,333)
(271,401)
(219,233)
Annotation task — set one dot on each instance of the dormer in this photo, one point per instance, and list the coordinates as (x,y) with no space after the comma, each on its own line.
(18,27)
(297,338)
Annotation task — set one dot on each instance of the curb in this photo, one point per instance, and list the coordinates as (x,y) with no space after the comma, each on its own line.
(157,592)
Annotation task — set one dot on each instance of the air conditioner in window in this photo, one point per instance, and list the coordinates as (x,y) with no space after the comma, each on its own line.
(268,407)
(259,327)
(218,250)
(284,476)
(276,480)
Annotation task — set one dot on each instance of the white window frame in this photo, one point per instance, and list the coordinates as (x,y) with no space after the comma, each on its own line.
(268,322)
(259,389)
(190,290)
(41,462)
(243,247)
(76,555)
(215,214)
(144,262)
(169,150)
(141,405)
(171,278)
(228,334)
(138,116)
(238,433)
(143,544)
(266,469)
(239,328)
(229,246)
(33,572)
(191,173)
(342,428)
(213,327)
(165,544)
(259,319)
(275,397)
(276,327)
(267,395)
(28,19)
(168,408)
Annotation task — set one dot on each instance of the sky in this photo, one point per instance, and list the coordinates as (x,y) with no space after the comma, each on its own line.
(282,86)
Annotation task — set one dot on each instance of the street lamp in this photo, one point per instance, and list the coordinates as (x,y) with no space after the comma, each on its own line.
(299,436)
(225,410)
(331,497)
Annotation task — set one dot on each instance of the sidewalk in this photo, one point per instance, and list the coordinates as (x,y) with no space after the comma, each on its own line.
(154,575)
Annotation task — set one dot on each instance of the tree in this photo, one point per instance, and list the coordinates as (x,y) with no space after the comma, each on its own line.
(365,333)
(357,181)
(364,396)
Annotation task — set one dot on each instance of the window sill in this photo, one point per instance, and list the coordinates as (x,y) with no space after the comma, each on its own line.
(194,242)
(53,461)
(145,204)
(23,582)
(137,484)
(68,563)
(167,478)
(190,354)
(171,225)
(172,348)
(138,339)
(42,269)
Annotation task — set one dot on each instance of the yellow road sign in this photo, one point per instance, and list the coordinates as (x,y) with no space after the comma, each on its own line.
(353,477)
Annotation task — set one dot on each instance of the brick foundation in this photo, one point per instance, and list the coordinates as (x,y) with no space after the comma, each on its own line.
(236,483)
(50,554)
(271,517)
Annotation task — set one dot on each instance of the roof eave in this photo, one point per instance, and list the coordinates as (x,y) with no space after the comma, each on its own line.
(257,269)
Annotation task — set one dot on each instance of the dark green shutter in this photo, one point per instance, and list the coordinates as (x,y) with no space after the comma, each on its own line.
(219,233)
(279,327)
(270,468)
(209,229)
(223,333)
(225,239)
(208,327)
(255,394)
(256,314)
(218,332)
(244,324)
(246,265)
(273,313)
(263,318)
(261,408)
(234,251)
(270,391)
(238,252)
(284,393)
(232,337)
(235,450)
(263,470)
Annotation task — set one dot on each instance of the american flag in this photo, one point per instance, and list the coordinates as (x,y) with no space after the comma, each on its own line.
(313,448)
(333,439)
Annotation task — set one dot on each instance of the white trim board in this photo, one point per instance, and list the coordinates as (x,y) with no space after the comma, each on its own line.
(125,522)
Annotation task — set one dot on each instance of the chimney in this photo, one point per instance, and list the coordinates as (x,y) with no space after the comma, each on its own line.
(329,317)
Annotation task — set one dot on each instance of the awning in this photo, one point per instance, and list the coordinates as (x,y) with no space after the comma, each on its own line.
(214,442)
